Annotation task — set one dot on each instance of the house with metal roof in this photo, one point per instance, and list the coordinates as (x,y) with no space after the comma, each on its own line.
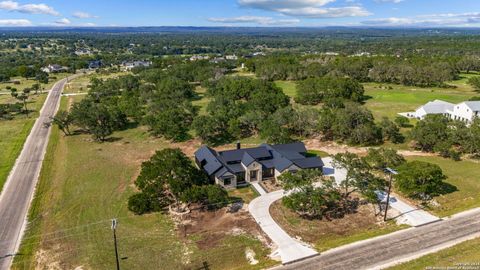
(466,111)
(241,166)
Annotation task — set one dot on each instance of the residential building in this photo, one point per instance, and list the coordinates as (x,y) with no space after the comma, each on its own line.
(54,69)
(239,167)
(231,57)
(95,64)
(466,111)
(129,65)
(199,57)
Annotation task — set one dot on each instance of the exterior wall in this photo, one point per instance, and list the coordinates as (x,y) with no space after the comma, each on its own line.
(233,183)
(254,166)
(291,168)
(462,112)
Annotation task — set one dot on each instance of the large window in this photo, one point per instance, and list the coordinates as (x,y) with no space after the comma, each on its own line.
(267,173)
(253,175)
(227,181)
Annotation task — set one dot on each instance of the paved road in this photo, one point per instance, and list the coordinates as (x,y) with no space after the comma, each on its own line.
(384,251)
(20,186)
(289,249)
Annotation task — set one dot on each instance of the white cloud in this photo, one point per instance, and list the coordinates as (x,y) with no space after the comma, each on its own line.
(449,19)
(254,20)
(28,8)
(389,1)
(15,22)
(63,21)
(306,8)
(83,15)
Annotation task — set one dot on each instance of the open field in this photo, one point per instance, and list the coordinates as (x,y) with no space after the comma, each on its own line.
(289,87)
(389,99)
(84,184)
(13,133)
(466,253)
(27,83)
(464,175)
(325,235)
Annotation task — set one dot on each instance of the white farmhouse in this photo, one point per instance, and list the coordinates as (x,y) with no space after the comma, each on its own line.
(466,111)
(432,107)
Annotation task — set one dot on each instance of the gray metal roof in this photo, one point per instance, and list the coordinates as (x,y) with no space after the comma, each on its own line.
(208,155)
(297,147)
(437,107)
(237,154)
(309,163)
(247,159)
(473,105)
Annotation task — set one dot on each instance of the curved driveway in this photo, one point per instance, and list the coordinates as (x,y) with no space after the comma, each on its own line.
(289,249)
(20,186)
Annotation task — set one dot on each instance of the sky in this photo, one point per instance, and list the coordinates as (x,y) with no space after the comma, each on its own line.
(265,13)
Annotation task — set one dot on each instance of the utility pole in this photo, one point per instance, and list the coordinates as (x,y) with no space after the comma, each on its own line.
(114,227)
(390,172)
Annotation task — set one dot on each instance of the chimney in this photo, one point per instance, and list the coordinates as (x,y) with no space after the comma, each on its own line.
(239,146)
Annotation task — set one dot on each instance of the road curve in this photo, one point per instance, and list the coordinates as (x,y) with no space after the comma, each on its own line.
(18,191)
(402,246)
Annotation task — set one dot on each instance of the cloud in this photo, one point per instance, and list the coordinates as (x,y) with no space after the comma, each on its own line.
(83,15)
(15,22)
(254,20)
(306,8)
(389,1)
(449,19)
(63,21)
(28,8)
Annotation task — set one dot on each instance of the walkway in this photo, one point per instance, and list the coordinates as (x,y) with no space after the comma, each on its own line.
(289,249)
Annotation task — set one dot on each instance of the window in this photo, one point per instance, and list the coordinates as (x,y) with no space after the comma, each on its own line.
(227,181)
(253,175)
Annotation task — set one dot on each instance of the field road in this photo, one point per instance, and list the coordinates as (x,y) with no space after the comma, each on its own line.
(384,251)
(18,191)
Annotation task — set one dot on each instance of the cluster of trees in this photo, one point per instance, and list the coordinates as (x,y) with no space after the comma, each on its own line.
(437,133)
(314,196)
(328,89)
(239,107)
(170,178)
(419,71)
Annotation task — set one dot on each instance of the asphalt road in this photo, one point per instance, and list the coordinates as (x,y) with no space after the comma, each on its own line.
(19,189)
(379,252)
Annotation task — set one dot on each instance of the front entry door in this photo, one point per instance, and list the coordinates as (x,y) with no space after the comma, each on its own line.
(253,176)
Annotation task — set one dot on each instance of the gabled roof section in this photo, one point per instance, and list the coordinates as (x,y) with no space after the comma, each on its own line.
(247,159)
(237,154)
(297,147)
(309,163)
(208,156)
(437,107)
(473,105)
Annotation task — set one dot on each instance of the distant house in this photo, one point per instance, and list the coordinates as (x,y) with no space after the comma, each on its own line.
(81,52)
(199,57)
(466,111)
(239,167)
(231,57)
(95,64)
(54,69)
(129,65)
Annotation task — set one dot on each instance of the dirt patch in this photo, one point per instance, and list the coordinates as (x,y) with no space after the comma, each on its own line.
(334,148)
(210,227)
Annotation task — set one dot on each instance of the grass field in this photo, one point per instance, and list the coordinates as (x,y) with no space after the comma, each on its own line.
(13,133)
(465,176)
(289,87)
(27,83)
(80,84)
(325,234)
(83,184)
(464,253)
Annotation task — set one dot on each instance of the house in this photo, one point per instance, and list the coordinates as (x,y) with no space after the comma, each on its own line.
(129,65)
(54,69)
(95,64)
(231,57)
(466,111)
(239,167)
(432,107)
(199,57)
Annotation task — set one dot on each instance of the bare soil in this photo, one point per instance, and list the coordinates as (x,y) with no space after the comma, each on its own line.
(213,226)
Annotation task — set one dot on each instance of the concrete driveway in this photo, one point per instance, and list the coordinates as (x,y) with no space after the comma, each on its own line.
(289,249)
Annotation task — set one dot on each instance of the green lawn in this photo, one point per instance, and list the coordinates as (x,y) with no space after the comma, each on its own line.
(80,84)
(289,87)
(84,184)
(27,83)
(389,102)
(13,133)
(467,252)
(465,176)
